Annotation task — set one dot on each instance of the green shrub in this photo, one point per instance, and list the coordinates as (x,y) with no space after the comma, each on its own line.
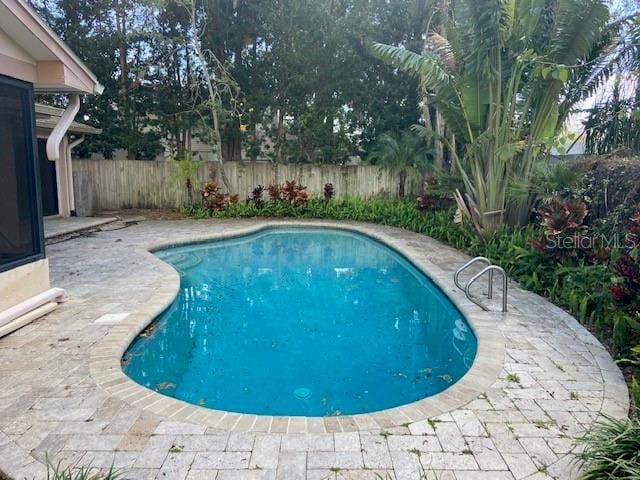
(611,185)
(633,363)
(612,450)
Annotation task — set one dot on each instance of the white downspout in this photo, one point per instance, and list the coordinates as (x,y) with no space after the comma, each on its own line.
(72,197)
(53,295)
(60,130)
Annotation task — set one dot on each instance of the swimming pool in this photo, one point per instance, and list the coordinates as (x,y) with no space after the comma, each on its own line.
(301,321)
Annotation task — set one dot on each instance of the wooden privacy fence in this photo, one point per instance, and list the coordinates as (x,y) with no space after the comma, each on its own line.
(119,184)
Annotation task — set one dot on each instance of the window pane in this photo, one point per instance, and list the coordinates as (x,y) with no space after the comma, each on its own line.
(19,225)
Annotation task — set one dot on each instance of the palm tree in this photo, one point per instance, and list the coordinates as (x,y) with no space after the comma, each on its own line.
(504,79)
(402,154)
(615,122)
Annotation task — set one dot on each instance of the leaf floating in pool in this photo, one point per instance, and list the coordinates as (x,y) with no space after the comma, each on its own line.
(394,280)
(164,386)
(202,401)
(147,332)
(126,358)
(335,413)
(422,374)
(447,378)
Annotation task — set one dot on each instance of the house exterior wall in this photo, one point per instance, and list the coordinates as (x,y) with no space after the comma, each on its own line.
(22,283)
(24,271)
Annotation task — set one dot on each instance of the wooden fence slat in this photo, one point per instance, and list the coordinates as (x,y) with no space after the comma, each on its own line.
(148,184)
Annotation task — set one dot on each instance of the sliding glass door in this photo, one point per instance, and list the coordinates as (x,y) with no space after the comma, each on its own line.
(21,238)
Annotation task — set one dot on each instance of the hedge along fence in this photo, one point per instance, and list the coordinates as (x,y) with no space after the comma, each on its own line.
(150,184)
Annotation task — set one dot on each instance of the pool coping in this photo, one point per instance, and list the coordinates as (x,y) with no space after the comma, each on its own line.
(106,368)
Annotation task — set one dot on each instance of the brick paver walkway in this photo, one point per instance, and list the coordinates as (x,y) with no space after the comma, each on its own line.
(556,380)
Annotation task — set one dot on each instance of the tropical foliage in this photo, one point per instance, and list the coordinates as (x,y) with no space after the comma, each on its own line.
(564,228)
(214,199)
(402,154)
(615,123)
(614,120)
(612,450)
(504,78)
(185,171)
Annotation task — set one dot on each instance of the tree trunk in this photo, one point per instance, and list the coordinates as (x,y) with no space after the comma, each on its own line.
(452,142)
(444,11)
(280,133)
(189,186)
(254,138)
(402,180)
(121,26)
(439,129)
(439,124)
(213,101)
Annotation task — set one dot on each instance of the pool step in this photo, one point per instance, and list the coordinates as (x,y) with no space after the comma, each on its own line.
(186,262)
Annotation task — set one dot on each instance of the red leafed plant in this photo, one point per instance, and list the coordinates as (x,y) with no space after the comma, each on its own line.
(619,294)
(564,217)
(256,196)
(302,197)
(563,222)
(290,191)
(275,192)
(329,191)
(214,200)
(626,288)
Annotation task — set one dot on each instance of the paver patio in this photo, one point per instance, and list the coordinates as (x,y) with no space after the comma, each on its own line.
(51,404)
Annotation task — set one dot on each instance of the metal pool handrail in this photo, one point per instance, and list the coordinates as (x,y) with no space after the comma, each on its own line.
(456,276)
(490,269)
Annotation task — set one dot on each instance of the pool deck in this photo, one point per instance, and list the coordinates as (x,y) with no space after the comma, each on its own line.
(540,381)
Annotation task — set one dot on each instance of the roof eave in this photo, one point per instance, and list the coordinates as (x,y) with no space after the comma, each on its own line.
(76,76)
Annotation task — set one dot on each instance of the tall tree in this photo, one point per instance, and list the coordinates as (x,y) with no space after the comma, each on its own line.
(309,92)
(306,80)
(112,38)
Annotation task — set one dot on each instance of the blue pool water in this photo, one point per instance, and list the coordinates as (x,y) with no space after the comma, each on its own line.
(307,322)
